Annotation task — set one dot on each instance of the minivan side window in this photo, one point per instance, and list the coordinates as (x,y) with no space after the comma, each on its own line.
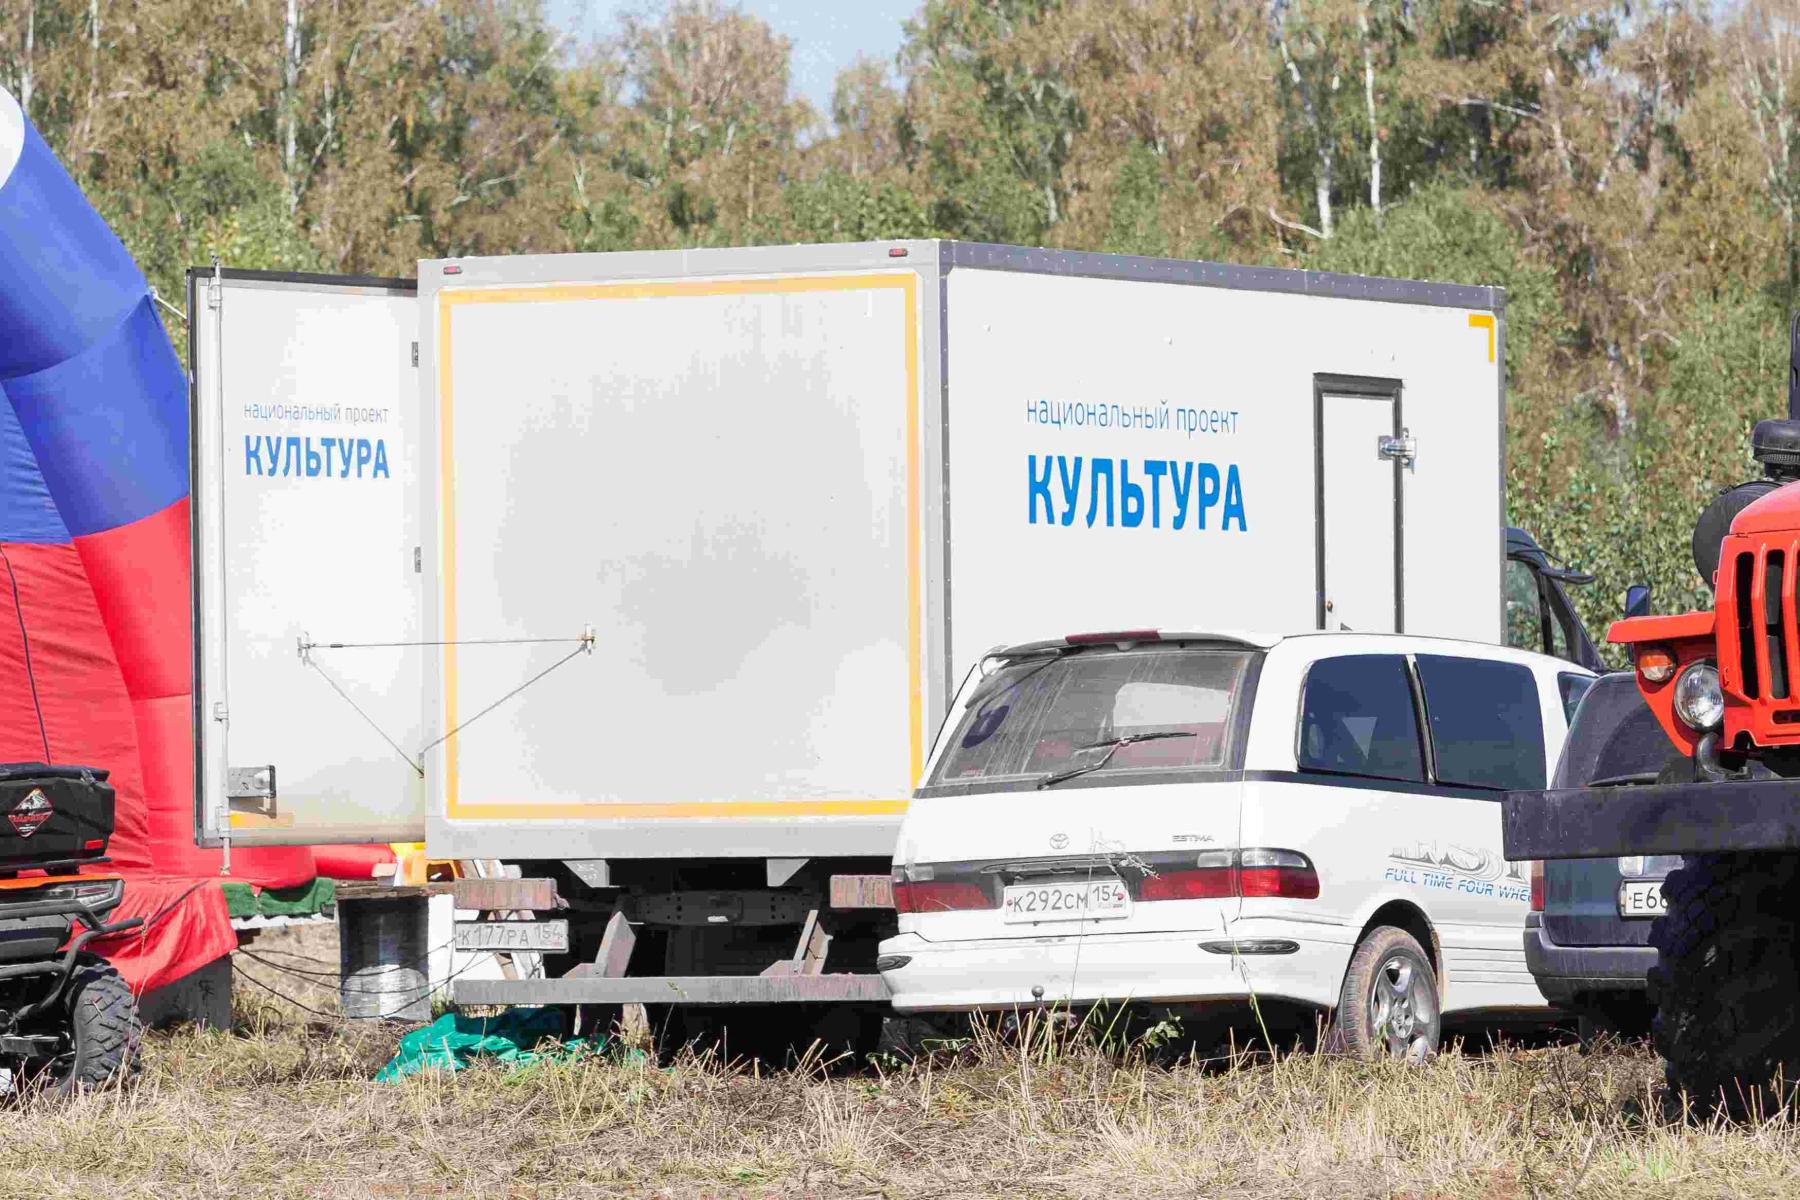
(1573,687)
(1487,728)
(1357,718)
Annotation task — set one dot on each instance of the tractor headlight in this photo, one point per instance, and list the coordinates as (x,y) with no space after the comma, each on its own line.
(1699,701)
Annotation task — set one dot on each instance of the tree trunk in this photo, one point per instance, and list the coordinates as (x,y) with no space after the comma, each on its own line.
(1368,49)
(1322,157)
(25,80)
(290,118)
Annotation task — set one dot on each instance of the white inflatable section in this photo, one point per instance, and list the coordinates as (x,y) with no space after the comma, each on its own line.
(12,135)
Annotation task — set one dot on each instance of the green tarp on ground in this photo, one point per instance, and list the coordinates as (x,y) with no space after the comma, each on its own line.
(516,1036)
(243,900)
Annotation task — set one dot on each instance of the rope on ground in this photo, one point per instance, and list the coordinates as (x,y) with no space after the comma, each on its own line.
(406,995)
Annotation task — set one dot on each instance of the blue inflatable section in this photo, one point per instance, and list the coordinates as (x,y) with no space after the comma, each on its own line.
(110,463)
(68,280)
(27,513)
(96,390)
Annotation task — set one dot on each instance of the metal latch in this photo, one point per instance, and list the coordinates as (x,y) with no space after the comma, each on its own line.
(252,783)
(1403,449)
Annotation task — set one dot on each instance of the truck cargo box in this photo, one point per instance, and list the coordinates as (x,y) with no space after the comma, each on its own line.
(707,539)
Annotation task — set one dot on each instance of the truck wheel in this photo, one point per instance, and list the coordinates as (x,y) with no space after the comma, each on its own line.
(103,1030)
(1389,1002)
(1726,977)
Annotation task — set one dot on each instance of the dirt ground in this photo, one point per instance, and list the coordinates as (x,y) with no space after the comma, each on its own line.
(285,1105)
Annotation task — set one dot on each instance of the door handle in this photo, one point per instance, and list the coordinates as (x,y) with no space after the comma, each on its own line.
(1403,449)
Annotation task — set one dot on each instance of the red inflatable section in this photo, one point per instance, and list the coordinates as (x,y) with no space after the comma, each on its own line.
(106,629)
(351,862)
(186,925)
(126,591)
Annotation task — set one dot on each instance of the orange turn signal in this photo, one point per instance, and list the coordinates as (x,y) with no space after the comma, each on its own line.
(1656,663)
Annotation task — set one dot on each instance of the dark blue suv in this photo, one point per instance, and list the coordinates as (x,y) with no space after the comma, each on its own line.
(1587,935)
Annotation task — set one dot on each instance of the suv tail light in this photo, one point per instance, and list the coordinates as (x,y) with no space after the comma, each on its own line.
(946,895)
(1221,874)
(1537,885)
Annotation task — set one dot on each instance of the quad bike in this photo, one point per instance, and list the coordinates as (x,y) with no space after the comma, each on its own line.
(67,1020)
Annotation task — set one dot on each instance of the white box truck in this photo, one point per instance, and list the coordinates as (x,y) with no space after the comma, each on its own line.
(655,572)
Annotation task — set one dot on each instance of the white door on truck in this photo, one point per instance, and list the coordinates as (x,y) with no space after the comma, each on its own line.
(1358,504)
(307,572)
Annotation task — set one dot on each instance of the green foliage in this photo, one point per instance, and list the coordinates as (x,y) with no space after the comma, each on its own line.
(218,203)
(1134,224)
(1623,506)
(837,208)
(996,128)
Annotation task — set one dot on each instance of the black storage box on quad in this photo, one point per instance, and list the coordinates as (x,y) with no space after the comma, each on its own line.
(51,815)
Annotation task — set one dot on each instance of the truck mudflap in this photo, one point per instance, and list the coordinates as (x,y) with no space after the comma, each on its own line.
(673,989)
(1673,818)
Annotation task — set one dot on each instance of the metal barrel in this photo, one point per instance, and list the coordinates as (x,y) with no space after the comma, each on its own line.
(382,950)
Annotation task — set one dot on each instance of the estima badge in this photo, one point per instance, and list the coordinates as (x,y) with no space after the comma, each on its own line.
(31,813)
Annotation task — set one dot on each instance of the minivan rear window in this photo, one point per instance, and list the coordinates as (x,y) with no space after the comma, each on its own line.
(1036,716)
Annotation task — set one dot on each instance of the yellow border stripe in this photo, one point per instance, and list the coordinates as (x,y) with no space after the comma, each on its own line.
(906,282)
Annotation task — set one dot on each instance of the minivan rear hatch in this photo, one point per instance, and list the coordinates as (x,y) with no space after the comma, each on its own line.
(1083,787)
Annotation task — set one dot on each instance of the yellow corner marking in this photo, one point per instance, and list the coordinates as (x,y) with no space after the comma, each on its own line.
(1484,321)
(906,282)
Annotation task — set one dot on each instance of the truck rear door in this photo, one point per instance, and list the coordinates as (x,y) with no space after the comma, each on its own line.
(307,585)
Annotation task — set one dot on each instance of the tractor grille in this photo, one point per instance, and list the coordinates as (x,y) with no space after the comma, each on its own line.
(1762,580)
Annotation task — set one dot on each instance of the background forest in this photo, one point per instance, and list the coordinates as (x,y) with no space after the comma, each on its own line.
(1629,172)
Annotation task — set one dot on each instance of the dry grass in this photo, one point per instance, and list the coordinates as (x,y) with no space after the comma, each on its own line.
(285,1107)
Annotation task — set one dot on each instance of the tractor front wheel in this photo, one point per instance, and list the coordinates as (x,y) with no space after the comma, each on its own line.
(1727,985)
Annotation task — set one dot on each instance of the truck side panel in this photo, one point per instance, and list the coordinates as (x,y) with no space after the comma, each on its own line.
(1106,430)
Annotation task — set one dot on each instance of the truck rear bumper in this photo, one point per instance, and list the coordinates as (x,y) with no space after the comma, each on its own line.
(673,989)
(1565,972)
(1675,818)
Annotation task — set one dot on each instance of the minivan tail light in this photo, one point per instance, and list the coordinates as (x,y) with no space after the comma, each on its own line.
(940,896)
(1220,874)
(1205,883)
(1537,885)
(1107,639)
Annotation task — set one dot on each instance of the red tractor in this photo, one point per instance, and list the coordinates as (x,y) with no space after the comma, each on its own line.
(1722,791)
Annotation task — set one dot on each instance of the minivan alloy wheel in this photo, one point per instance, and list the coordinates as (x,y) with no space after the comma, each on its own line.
(1401,1008)
(1388,1005)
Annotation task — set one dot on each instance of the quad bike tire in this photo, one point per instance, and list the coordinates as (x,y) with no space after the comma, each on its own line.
(1389,1002)
(1726,986)
(103,1030)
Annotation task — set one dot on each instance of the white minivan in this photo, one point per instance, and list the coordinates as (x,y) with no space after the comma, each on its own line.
(1312,821)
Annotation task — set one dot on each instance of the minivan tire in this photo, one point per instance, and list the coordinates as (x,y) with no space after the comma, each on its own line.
(1727,970)
(1389,1004)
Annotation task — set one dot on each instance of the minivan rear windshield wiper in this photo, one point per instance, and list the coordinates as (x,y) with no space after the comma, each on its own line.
(1111,747)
